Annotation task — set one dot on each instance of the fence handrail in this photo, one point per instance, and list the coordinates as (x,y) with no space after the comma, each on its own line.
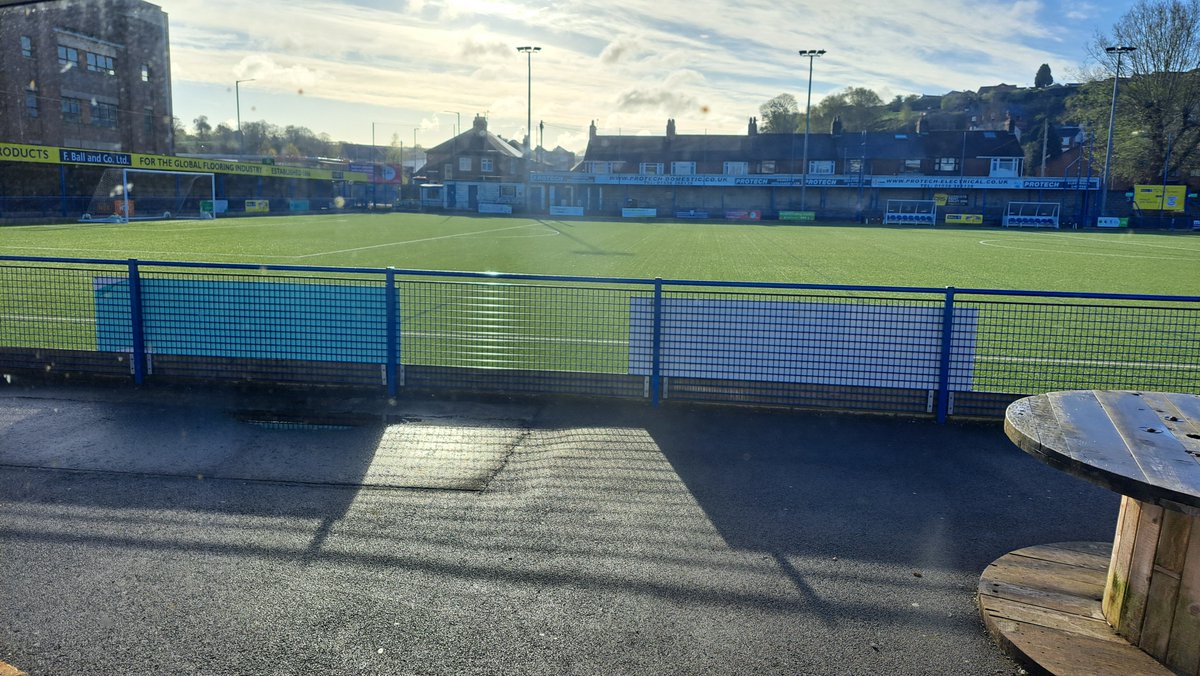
(461,274)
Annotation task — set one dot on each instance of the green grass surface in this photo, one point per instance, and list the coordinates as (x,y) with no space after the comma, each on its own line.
(1118,262)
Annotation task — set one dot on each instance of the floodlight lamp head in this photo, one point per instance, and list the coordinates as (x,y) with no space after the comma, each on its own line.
(1120,49)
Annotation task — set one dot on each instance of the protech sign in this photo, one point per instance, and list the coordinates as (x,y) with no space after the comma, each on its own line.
(795,181)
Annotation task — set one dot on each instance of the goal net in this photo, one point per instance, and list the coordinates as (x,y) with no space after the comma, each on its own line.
(1032,215)
(147,194)
(909,212)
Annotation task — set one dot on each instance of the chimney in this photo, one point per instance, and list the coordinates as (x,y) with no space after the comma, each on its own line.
(1011,126)
(480,123)
(923,124)
(592,130)
(670,130)
(835,127)
(753,131)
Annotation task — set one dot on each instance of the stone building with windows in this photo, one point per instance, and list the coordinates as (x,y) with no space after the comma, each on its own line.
(91,74)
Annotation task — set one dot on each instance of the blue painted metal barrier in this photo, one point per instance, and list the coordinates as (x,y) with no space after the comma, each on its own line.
(908,350)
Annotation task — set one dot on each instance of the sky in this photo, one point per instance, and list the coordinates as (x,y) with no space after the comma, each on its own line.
(411,69)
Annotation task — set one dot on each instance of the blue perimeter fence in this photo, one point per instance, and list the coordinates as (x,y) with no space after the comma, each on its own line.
(905,350)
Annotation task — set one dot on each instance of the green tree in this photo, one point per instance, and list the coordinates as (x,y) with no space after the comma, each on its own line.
(1043,78)
(203,128)
(1159,102)
(780,115)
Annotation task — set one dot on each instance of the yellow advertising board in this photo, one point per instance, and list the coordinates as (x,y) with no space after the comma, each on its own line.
(965,219)
(15,152)
(1151,197)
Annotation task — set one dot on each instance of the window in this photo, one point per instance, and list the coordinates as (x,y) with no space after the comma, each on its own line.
(145,72)
(485,164)
(104,115)
(68,57)
(855,166)
(736,168)
(148,120)
(766,167)
(98,63)
(464,164)
(683,168)
(600,167)
(912,166)
(947,164)
(31,105)
(70,110)
(820,167)
(27,46)
(651,169)
(1006,166)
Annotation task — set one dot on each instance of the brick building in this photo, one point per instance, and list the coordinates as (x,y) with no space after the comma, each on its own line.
(848,175)
(92,74)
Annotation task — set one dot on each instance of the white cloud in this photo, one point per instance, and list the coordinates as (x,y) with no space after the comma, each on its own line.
(626,63)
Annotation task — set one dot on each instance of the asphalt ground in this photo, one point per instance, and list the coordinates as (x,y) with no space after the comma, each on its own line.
(164,531)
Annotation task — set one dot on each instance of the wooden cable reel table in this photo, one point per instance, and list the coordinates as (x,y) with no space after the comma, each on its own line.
(1046,604)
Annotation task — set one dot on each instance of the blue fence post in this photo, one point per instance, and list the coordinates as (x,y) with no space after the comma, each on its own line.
(656,344)
(64,203)
(943,399)
(393,333)
(138,354)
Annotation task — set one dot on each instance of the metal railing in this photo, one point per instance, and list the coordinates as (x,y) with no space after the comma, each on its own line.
(911,350)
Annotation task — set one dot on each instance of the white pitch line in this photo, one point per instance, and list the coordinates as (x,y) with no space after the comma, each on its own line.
(511,339)
(36,318)
(995,243)
(1088,362)
(414,241)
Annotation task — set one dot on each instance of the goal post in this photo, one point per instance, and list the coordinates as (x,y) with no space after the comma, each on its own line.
(1032,215)
(152,194)
(910,212)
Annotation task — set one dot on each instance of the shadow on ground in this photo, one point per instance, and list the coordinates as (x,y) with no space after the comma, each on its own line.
(607,537)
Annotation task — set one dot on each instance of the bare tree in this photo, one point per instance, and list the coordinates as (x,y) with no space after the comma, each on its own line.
(1159,102)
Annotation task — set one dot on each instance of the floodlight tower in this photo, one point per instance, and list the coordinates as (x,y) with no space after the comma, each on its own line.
(812,54)
(529,51)
(1112,116)
(237,97)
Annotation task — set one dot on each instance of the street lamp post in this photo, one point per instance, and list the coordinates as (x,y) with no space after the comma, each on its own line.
(529,51)
(457,121)
(373,158)
(1112,116)
(237,97)
(812,54)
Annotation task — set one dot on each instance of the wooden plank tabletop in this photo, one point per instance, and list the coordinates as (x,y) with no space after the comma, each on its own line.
(1142,444)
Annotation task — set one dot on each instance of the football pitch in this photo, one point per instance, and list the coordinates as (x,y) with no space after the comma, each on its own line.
(1052,260)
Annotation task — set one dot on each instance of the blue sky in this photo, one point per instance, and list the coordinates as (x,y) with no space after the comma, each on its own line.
(407,67)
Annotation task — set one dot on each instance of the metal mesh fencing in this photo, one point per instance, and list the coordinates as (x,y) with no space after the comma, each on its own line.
(48,321)
(880,349)
(824,349)
(1028,347)
(516,337)
(256,327)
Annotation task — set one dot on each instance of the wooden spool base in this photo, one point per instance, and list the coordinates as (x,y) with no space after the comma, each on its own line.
(1043,606)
